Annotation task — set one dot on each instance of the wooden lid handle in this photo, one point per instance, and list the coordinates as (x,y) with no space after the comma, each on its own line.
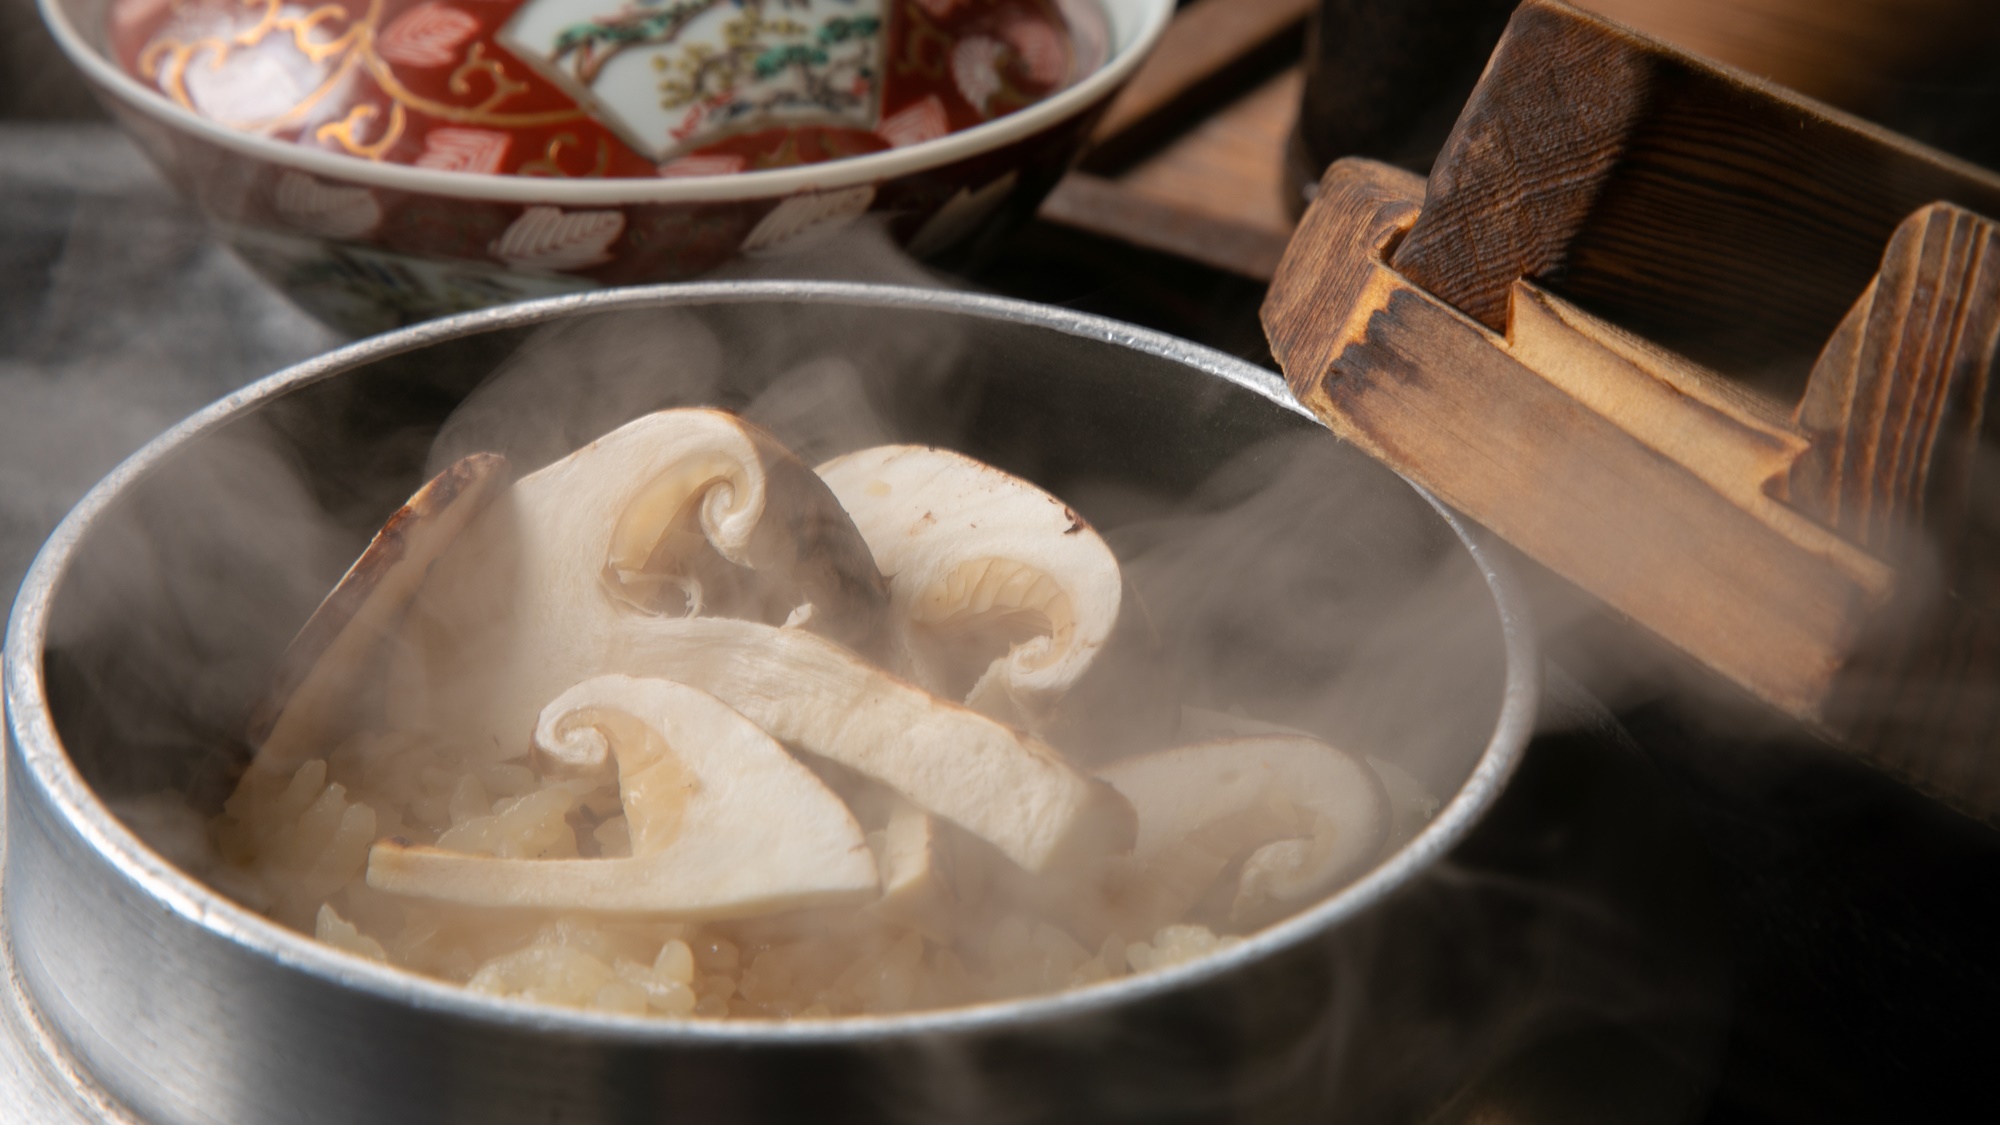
(1555,334)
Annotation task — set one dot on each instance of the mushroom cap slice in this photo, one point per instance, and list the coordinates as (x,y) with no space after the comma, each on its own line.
(681,512)
(1411,803)
(724,823)
(996,782)
(1002,594)
(311,704)
(1301,815)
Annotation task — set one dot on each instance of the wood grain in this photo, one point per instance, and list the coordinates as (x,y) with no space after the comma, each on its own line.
(1757,539)
(1611,489)
(1895,404)
(1716,214)
(1895,411)
(1213,195)
(1230,162)
(1822,540)
(1840,51)
(1209,50)
(1735,443)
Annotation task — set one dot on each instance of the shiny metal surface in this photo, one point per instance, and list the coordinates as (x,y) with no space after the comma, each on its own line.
(190,1009)
(39,1083)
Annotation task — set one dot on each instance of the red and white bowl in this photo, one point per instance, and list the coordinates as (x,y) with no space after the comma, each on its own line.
(368,244)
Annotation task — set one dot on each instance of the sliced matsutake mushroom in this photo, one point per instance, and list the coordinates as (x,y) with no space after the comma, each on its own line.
(679,513)
(918,885)
(916,871)
(312,703)
(997,783)
(1411,804)
(1298,815)
(1001,594)
(912,853)
(723,822)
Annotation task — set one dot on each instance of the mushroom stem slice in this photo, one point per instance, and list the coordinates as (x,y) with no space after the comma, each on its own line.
(913,852)
(992,780)
(724,823)
(1002,595)
(918,889)
(312,700)
(1301,815)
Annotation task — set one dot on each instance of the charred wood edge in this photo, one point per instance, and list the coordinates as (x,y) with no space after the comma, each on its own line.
(1715,213)
(348,609)
(1101,206)
(1213,51)
(1608,489)
(1710,516)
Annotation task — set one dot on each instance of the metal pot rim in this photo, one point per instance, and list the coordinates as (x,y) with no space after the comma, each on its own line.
(43,763)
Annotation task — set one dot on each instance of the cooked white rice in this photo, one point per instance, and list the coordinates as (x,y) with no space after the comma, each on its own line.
(296,848)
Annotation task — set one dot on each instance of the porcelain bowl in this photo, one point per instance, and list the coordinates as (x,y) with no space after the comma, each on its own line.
(368,245)
(147,627)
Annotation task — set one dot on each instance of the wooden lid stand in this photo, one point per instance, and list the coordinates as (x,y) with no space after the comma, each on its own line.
(1560,334)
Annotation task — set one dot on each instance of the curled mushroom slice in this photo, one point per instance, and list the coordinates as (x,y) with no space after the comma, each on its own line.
(688,484)
(678,513)
(1001,594)
(311,705)
(815,695)
(1299,817)
(723,822)
(1001,785)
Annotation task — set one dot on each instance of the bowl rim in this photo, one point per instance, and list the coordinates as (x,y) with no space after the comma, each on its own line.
(1136,26)
(39,761)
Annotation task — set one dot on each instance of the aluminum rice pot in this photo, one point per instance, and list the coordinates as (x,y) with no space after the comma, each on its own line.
(139,992)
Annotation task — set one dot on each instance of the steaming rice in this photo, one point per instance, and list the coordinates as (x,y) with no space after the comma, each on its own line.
(298,851)
(295,842)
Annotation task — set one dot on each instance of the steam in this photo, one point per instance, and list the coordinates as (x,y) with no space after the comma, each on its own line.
(575,380)
(127,320)
(1288,582)
(1294,588)
(1297,586)
(204,579)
